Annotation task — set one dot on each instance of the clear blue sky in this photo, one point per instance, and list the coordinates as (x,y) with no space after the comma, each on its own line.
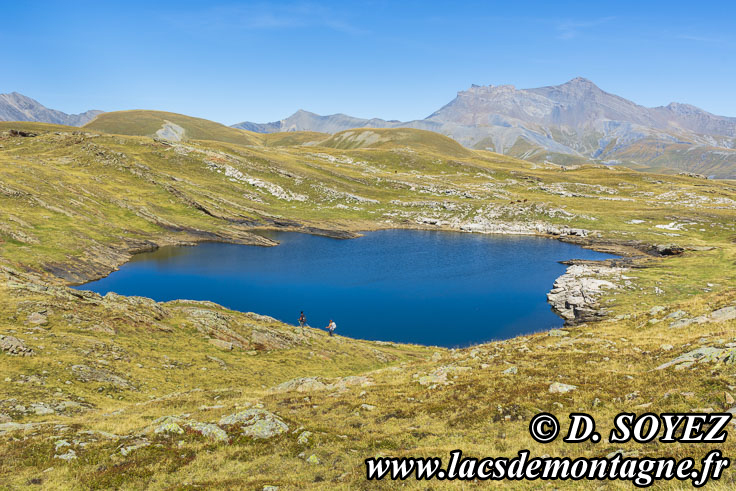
(260,61)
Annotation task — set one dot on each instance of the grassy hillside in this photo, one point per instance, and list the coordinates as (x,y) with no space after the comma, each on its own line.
(396,138)
(123,392)
(147,123)
(292,138)
(646,155)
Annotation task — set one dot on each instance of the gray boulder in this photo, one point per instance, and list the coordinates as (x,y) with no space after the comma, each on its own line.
(257,423)
(560,388)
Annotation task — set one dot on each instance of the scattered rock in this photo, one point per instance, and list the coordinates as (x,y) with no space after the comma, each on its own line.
(220,344)
(41,409)
(69,455)
(350,381)
(168,424)
(61,444)
(304,438)
(272,339)
(126,450)
(209,430)
(721,315)
(303,384)
(310,384)
(257,423)
(511,371)
(10,427)
(706,354)
(558,333)
(693,175)
(176,425)
(314,460)
(677,314)
(14,346)
(38,319)
(87,374)
(560,388)
(656,310)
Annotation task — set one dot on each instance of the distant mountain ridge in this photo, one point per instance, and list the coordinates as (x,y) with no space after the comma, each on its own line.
(17,107)
(569,123)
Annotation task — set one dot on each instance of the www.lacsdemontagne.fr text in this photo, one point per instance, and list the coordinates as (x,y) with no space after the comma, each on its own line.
(697,428)
(642,472)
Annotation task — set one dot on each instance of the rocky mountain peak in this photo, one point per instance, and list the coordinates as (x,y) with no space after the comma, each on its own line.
(18,107)
(580,82)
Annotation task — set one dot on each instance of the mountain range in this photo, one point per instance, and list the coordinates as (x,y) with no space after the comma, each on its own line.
(17,107)
(565,124)
(568,124)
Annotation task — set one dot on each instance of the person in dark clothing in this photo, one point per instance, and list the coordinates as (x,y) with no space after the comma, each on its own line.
(302,321)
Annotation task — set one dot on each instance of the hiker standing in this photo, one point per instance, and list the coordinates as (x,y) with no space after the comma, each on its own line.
(331,327)
(302,321)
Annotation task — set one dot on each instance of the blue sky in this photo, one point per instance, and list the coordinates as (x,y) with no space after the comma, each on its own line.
(261,61)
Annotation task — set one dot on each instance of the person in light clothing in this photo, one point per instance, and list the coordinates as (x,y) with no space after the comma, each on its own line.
(331,327)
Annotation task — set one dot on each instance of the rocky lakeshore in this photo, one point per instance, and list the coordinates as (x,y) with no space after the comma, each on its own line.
(575,295)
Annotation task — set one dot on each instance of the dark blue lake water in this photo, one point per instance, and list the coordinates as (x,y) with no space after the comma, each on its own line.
(432,288)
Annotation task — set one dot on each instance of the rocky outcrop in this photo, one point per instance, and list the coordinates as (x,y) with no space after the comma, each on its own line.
(575,293)
(220,344)
(272,339)
(218,326)
(257,423)
(176,426)
(706,354)
(666,250)
(313,384)
(83,373)
(521,228)
(721,315)
(14,346)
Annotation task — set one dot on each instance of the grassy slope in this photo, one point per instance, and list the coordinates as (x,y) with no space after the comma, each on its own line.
(146,123)
(72,204)
(645,155)
(417,140)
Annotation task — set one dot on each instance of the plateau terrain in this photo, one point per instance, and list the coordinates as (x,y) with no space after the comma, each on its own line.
(116,392)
